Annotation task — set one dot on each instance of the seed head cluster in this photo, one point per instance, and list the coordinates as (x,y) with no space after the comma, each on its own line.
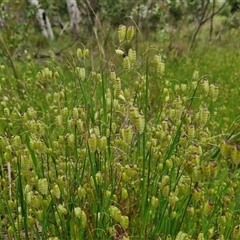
(94,154)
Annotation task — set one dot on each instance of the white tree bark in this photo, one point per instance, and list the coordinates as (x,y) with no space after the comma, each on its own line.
(43,20)
(1,22)
(2,11)
(74,15)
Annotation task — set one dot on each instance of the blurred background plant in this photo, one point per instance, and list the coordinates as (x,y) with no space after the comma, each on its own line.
(165,21)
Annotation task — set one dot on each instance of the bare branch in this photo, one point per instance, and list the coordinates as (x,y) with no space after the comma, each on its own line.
(214,13)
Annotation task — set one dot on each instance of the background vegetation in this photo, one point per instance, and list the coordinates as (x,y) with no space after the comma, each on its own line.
(128,129)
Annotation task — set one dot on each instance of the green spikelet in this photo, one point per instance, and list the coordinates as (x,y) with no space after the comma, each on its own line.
(235,154)
(124,222)
(172,199)
(213,92)
(82,73)
(124,193)
(130,33)
(126,63)
(140,123)
(115,213)
(26,162)
(181,236)
(160,69)
(225,148)
(191,131)
(56,191)
(102,143)
(236,232)
(132,55)
(117,87)
(62,210)
(127,134)
(133,112)
(86,53)
(157,59)
(204,85)
(121,33)
(197,174)
(113,75)
(92,141)
(79,53)
(206,170)
(197,194)
(79,213)
(204,116)
(213,168)
(43,186)
(195,75)
(208,207)
(154,202)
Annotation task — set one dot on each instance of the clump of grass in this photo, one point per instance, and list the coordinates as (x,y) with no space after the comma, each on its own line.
(94,154)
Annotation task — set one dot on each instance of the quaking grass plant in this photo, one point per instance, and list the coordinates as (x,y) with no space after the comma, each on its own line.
(85,155)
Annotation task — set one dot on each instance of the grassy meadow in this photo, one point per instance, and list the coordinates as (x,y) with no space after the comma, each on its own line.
(134,144)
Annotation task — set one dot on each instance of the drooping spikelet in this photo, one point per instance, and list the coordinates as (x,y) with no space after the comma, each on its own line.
(113,75)
(160,69)
(130,33)
(117,87)
(43,186)
(127,134)
(235,154)
(213,92)
(225,148)
(102,143)
(121,33)
(92,142)
(204,85)
(126,63)
(208,207)
(132,55)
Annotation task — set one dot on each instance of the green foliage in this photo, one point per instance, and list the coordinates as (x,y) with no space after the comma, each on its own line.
(14,31)
(135,145)
(116,11)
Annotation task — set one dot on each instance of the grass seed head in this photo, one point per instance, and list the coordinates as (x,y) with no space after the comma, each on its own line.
(92,141)
(235,154)
(130,33)
(197,194)
(132,55)
(126,63)
(85,53)
(113,75)
(115,213)
(195,76)
(160,69)
(157,59)
(204,86)
(121,33)
(43,186)
(117,87)
(124,193)
(56,191)
(208,207)
(124,222)
(190,211)
(79,53)
(226,148)
(62,210)
(213,92)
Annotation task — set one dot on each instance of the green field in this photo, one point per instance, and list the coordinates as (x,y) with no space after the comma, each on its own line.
(133,144)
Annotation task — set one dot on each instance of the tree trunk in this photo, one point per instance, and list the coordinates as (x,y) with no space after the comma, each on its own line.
(74,15)
(43,20)
(2,11)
